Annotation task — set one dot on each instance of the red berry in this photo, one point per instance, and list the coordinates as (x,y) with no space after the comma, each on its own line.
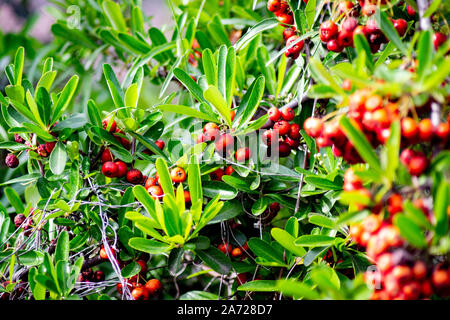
(345,7)
(313,127)
(400,25)
(139,294)
(284,149)
(438,39)
(328,30)
(287,113)
(443,131)
(411,12)
(347,85)
(236,252)
(293,143)
(273,5)
(103,253)
(155,191)
(406,155)
(121,169)
(418,164)
(210,126)
(349,24)
(150,182)
(285,18)
(187,196)
(229,170)
(217,174)
(288,32)
(333,45)
(224,144)
(345,39)
(160,144)
(282,127)
(425,130)
(134,176)
(11,161)
(178,175)
(42,151)
(106,155)
(243,154)
(143,265)
(49,146)
(112,124)
(294,131)
(225,247)
(110,169)
(410,129)
(153,286)
(274,114)
(269,136)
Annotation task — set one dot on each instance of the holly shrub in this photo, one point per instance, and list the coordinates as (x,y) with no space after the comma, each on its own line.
(244,150)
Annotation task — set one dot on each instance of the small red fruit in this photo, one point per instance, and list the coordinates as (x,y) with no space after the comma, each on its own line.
(229,170)
(106,155)
(273,5)
(411,12)
(418,164)
(110,169)
(425,130)
(225,247)
(282,127)
(236,252)
(12,161)
(284,149)
(103,253)
(134,176)
(288,32)
(274,114)
(210,126)
(410,129)
(438,39)
(217,174)
(143,266)
(160,144)
(313,127)
(400,25)
(113,125)
(287,113)
(328,30)
(153,286)
(121,169)
(49,146)
(224,144)
(285,18)
(333,45)
(150,182)
(294,131)
(155,191)
(178,175)
(139,294)
(243,154)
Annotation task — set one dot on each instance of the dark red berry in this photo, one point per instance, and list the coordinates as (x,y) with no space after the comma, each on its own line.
(12,161)
(134,176)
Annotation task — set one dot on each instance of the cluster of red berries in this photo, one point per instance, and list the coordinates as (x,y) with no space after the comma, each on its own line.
(219,173)
(283,13)
(237,252)
(43,150)
(223,143)
(119,135)
(399,274)
(119,169)
(91,276)
(373,115)
(279,129)
(337,37)
(152,287)
(153,184)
